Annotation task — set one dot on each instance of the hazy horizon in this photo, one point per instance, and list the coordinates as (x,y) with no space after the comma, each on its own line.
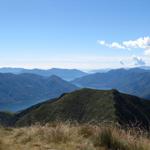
(81,69)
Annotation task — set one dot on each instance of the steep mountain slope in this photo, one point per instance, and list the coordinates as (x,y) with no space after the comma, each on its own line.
(66,74)
(20,91)
(87,105)
(133,81)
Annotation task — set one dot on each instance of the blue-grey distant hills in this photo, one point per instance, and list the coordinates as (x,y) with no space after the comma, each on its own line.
(23,90)
(66,74)
(135,81)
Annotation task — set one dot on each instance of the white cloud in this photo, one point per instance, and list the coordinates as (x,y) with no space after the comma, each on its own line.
(137,61)
(101,42)
(117,45)
(140,43)
(143,43)
(147,52)
(111,45)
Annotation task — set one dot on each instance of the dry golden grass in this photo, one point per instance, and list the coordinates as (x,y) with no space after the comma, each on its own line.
(65,136)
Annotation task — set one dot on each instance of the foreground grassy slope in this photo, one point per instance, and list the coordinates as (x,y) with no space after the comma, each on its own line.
(88,105)
(65,136)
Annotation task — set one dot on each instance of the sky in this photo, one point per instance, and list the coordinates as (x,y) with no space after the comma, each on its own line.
(82,34)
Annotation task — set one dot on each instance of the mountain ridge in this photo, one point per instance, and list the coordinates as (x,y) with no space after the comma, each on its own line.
(89,106)
(66,74)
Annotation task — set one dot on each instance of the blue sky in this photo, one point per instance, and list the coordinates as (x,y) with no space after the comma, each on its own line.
(69,34)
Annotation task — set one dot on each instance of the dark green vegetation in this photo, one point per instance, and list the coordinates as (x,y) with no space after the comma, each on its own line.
(133,81)
(66,74)
(88,105)
(21,91)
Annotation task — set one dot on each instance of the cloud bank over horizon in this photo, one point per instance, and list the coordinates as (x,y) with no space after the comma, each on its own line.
(140,43)
(137,61)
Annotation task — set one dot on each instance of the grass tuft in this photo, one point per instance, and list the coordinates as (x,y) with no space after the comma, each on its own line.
(66,136)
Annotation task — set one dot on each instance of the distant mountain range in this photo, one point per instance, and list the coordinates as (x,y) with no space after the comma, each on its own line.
(19,91)
(87,106)
(134,81)
(23,90)
(66,74)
